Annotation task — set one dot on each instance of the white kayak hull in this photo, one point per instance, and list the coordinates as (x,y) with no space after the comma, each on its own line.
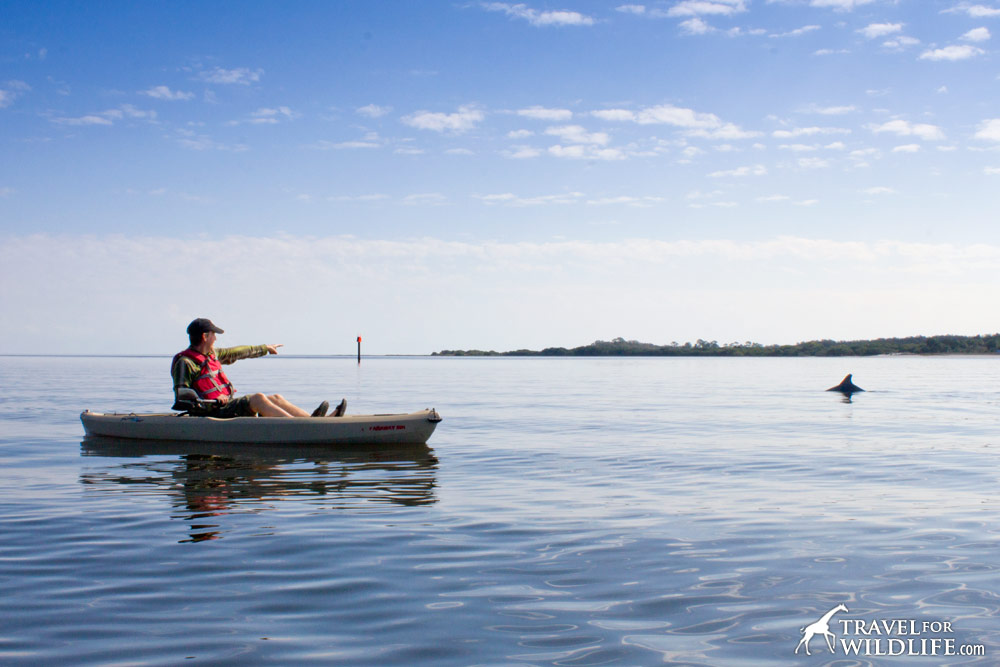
(413,428)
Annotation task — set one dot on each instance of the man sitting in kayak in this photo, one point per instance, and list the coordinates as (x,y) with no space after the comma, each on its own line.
(199,367)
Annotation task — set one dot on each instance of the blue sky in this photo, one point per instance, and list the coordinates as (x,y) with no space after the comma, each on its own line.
(496,175)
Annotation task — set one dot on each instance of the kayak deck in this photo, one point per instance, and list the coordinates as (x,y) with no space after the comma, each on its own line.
(411,428)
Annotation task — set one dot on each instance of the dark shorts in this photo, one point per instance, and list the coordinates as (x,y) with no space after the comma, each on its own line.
(235,407)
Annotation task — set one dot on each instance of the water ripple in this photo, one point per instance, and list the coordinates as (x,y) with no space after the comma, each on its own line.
(583,512)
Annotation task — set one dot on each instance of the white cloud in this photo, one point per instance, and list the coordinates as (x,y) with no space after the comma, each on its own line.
(638,10)
(725,132)
(503,198)
(738,31)
(522,153)
(581,152)
(90,119)
(879,190)
(540,18)
(576,134)
(798,32)
(459,151)
(830,52)
(696,26)
(773,199)
(798,148)
(991,171)
(11,91)
(813,163)
(808,132)
(462,120)
(268,116)
(370,140)
(203,142)
(619,115)
(107,118)
(904,128)
(977,35)
(624,200)
(900,43)
(873,30)
(697,124)
(952,53)
(665,115)
(542,113)
(698,195)
(6,192)
(989,130)
(358,198)
(349,144)
(975,11)
(862,155)
(241,75)
(276,112)
(373,110)
(510,199)
(832,110)
(907,148)
(493,289)
(520,134)
(756,170)
(164,93)
(425,199)
(129,111)
(702,7)
(840,5)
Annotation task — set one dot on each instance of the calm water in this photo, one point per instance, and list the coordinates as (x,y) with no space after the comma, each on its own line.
(566,512)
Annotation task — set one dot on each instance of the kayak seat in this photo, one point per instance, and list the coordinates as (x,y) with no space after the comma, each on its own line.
(189,401)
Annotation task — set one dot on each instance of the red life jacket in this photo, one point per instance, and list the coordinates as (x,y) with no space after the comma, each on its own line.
(211,382)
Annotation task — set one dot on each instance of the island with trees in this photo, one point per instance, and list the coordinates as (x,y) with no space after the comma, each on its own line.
(619,347)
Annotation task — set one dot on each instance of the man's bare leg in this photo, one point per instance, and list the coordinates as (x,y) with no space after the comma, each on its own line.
(265,407)
(288,407)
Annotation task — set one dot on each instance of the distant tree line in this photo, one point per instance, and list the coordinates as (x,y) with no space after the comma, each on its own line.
(619,347)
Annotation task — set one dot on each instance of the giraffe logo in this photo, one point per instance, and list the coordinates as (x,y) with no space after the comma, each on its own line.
(820,627)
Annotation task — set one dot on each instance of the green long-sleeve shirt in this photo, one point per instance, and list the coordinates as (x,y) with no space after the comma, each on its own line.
(184,370)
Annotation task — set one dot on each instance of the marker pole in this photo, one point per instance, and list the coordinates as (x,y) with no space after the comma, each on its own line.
(359,349)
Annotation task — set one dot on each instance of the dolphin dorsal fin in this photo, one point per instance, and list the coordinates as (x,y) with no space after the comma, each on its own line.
(846,385)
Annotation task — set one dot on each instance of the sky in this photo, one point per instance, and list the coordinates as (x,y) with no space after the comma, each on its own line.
(496,175)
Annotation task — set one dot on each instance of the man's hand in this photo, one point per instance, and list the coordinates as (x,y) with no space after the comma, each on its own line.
(273,349)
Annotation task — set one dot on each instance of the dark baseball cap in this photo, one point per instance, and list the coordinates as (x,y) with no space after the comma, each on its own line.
(203,325)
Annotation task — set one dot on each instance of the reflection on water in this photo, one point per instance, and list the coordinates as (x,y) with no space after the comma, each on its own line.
(207,481)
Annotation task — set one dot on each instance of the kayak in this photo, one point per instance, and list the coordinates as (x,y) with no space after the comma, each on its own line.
(412,428)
